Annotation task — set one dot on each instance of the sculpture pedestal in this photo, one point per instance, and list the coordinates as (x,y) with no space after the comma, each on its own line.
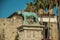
(31,32)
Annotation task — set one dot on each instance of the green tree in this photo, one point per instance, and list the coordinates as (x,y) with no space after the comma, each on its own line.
(37,4)
(30,7)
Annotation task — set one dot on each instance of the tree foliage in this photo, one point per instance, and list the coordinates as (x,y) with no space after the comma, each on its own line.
(38,4)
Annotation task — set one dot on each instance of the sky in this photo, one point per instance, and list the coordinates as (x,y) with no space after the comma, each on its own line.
(7,7)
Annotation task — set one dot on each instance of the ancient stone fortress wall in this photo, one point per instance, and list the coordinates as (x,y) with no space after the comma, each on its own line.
(10,28)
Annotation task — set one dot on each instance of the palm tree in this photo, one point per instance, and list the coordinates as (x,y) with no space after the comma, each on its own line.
(37,4)
(50,11)
(30,7)
(58,16)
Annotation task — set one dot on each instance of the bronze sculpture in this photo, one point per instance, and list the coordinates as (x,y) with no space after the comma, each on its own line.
(28,14)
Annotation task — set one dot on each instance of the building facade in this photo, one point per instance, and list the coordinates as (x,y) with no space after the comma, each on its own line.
(50,22)
(9,28)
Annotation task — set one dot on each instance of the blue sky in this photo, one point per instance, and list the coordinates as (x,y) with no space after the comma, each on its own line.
(10,6)
(7,7)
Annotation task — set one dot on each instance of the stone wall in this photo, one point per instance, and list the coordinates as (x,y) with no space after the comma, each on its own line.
(53,31)
(10,30)
(10,27)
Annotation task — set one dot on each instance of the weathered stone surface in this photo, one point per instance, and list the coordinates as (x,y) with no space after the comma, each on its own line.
(10,30)
(31,33)
(10,27)
(53,31)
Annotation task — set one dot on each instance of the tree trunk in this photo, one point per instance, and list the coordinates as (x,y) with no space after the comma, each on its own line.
(56,1)
(40,13)
(50,11)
